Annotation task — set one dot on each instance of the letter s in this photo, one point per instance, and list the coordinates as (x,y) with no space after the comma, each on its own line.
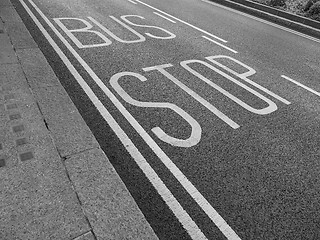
(171,35)
(195,135)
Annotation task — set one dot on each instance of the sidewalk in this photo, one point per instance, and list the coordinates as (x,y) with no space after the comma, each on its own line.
(55,181)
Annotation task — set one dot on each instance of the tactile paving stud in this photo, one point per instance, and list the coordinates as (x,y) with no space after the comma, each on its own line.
(18,128)
(2,162)
(21,141)
(14,116)
(11,106)
(26,156)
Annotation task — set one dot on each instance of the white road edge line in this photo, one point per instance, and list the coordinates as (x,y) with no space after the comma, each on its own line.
(263,21)
(132,1)
(301,85)
(190,25)
(190,226)
(184,218)
(221,45)
(164,17)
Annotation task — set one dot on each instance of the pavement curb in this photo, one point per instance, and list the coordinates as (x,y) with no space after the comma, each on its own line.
(292,21)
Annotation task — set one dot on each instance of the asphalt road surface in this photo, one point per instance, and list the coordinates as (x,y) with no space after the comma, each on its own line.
(210,117)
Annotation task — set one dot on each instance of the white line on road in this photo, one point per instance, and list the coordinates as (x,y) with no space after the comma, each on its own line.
(301,85)
(132,1)
(263,21)
(201,100)
(179,212)
(244,76)
(221,45)
(164,17)
(190,226)
(190,25)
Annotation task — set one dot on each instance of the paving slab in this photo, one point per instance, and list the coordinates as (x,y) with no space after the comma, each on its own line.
(69,130)
(9,14)
(35,66)
(7,54)
(19,35)
(37,200)
(86,236)
(110,208)
(12,77)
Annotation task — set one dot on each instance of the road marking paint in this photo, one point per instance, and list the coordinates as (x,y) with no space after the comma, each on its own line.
(171,35)
(140,36)
(87,29)
(183,216)
(221,45)
(132,1)
(244,76)
(301,85)
(164,17)
(196,131)
(264,21)
(190,25)
(271,108)
(193,94)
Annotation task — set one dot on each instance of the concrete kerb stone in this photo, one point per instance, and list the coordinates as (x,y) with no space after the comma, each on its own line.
(295,22)
(15,28)
(19,35)
(9,14)
(38,71)
(7,54)
(108,205)
(69,130)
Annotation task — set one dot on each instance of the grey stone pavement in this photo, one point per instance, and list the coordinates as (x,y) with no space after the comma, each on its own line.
(55,181)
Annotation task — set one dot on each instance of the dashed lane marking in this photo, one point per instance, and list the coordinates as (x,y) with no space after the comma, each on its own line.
(301,85)
(190,25)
